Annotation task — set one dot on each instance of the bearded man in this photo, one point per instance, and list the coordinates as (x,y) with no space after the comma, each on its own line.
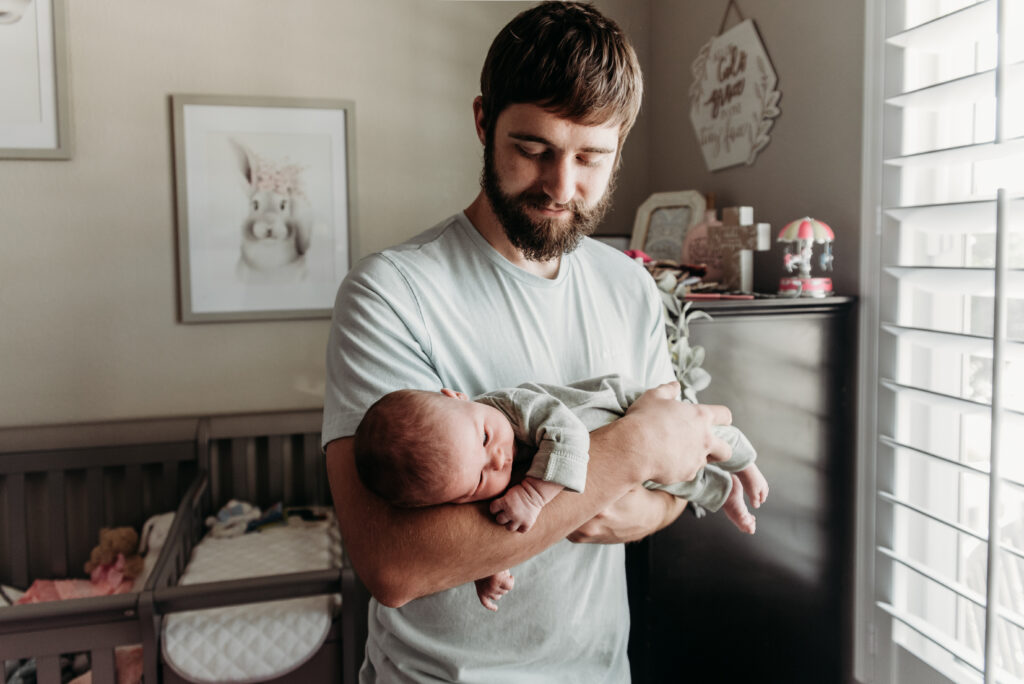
(507,291)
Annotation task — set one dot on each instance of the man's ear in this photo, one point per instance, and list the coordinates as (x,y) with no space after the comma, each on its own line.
(454,395)
(478,118)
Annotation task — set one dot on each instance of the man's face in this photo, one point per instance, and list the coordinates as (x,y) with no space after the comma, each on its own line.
(547,178)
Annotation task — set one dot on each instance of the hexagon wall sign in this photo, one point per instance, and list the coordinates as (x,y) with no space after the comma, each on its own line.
(733,100)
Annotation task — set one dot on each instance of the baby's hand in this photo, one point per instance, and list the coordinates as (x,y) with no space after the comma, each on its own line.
(518,509)
(491,589)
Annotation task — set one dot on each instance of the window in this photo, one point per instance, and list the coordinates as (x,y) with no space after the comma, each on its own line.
(944,359)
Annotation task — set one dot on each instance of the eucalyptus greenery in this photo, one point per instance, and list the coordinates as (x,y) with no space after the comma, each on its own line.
(686,359)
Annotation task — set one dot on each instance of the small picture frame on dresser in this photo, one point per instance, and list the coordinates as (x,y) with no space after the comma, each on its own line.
(663,221)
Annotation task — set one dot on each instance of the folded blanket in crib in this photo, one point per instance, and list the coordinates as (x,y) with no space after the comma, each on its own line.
(257,641)
(59,590)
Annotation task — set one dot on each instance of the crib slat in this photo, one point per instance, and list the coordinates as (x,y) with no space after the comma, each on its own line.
(169,485)
(315,491)
(240,480)
(58,541)
(103,665)
(18,520)
(252,469)
(48,669)
(275,468)
(288,472)
(132,497)
(213,470)
(95,499)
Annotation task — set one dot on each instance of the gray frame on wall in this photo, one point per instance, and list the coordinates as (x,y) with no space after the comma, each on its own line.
(46,133)
(265,195)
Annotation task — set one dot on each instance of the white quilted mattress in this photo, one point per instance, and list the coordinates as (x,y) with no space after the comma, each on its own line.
(257,641)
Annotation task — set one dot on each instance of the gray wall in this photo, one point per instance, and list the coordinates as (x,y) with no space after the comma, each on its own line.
(812,164)
(88,279)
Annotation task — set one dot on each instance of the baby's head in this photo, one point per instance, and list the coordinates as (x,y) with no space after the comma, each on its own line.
(418,448)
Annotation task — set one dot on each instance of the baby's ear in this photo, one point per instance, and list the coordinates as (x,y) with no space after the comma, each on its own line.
(454,395)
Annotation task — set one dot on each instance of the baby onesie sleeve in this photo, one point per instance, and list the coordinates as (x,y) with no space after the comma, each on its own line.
(541,420)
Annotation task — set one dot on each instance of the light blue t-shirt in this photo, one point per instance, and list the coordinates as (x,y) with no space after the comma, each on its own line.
(446,310)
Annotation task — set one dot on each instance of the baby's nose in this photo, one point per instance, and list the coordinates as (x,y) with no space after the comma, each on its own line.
(499,459)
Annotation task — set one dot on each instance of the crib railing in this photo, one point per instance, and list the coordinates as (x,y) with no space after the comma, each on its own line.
(60,484)
(46,631)
(264,458)
(187,530)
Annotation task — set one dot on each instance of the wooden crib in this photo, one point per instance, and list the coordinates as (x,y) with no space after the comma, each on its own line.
(60,484)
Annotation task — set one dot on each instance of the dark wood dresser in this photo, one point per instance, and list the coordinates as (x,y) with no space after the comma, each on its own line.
(711,604)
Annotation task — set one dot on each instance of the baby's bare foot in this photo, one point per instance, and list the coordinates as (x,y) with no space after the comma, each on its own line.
(737,511)
(754,484)
(490,589)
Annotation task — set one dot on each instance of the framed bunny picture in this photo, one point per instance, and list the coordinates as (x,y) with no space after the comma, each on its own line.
(265,205)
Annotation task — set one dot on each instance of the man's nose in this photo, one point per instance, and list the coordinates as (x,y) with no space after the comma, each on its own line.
(560,180)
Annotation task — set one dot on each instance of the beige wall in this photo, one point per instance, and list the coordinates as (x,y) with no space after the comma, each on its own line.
(88,280)
(812,164)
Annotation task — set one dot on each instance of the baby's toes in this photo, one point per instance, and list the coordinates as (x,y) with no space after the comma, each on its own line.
(760,495)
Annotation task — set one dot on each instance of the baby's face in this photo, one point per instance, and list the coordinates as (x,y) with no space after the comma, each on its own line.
(480,444)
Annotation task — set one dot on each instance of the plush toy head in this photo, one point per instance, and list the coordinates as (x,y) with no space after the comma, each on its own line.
(114,541)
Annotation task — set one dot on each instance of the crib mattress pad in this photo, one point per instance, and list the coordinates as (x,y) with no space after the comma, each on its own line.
(258,641)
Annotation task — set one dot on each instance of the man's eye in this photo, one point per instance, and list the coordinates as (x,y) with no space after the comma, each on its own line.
(588,162)
(529,153)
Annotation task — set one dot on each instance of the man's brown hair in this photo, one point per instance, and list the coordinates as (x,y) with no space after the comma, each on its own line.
(567,58)
(396,455)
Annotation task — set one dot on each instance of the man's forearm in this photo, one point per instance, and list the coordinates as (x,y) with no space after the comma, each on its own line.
(403,554)
(641,512)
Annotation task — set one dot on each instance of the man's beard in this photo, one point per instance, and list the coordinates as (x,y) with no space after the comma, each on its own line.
(540,239)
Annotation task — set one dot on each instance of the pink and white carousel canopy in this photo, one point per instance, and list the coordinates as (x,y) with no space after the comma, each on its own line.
(806,229)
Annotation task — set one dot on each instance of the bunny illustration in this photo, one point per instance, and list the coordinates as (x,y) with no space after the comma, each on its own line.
(277,232)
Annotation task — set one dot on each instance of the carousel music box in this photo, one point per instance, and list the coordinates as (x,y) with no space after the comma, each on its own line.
(800,237)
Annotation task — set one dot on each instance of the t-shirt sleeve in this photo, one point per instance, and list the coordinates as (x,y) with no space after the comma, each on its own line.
(561,438)
(377,343)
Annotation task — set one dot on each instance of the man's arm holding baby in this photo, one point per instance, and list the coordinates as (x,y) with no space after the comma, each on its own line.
(403,554)
(639,513)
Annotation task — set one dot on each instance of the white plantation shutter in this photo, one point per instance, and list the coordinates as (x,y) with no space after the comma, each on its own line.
(947,545)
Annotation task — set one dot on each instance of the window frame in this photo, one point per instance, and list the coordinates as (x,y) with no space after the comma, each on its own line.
(876,656)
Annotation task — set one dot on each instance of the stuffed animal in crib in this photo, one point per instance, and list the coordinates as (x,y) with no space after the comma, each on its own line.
(116,556)
(278,230)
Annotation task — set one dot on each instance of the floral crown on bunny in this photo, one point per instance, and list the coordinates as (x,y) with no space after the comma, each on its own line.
(281,178)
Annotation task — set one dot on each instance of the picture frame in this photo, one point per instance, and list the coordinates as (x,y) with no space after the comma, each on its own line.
(265,205)
(663,221)
(35,116)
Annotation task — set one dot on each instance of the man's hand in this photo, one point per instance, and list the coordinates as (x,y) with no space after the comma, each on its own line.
(677,437)
(678,440)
